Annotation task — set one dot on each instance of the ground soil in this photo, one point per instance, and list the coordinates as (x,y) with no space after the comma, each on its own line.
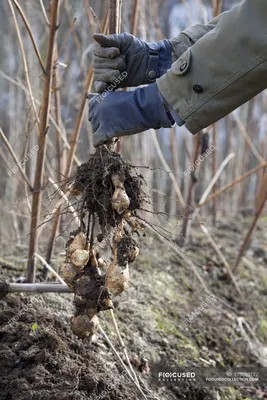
(41,359)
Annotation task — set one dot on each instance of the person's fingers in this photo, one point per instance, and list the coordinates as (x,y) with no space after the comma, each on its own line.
(115,63)
(106,52)
(106,40)
(105,75)
(100,86)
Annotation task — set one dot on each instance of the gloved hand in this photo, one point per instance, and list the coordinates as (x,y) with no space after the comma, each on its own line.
(126,113)
(143,62)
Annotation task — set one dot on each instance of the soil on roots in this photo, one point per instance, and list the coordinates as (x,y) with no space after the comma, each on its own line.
(93,180)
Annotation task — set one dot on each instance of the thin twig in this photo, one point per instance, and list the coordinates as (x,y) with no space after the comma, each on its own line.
(96,18)
(13,155)
(210,186)
(66,38)
(50,268)
(27,25)
(123,345)
(166,167)
(89,16)
(121,361)
(247,138)
(251,229)
(79,119)
(230,185)
(54,123)
(216,177)
(44,12)
(223,259)
(24,59)
(64,198)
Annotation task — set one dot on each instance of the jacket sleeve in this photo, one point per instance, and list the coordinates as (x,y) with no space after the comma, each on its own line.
(191,35)
(222,70)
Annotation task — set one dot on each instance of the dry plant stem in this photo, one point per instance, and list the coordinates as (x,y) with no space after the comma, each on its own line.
(210,186)
(75,36)
(27,198)
(78,124)
(13,155)
(96,18)
(173,148)
(123,345)
(191,191)
(36,288)
(30,33)
(247,138)
(89,16)
(51,241)
(44,12)
(121,361)
(166,167)
(52,120)
(64,198)
(223,259)
(50,269)
(114,16)
(217,7)
(57,103)
(43,128)
(61,12)
(230,185)
(255,346)
(262,191)
(155,15)
(216,177)
(79,119)
(252,227)
(214,167)
(135,17)
(24,59)
(66,38)
(246,152)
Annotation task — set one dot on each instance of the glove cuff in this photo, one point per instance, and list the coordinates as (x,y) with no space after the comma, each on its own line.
(159,60)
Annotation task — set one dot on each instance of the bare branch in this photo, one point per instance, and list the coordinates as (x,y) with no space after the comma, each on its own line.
(30,33)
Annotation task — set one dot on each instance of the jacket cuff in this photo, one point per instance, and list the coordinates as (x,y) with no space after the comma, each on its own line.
(172,115)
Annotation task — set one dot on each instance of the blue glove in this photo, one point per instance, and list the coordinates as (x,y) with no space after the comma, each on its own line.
(140,62)
(126,113)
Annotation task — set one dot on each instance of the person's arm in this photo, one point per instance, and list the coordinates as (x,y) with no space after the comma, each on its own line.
(222,70)
(191,35)
(142,62)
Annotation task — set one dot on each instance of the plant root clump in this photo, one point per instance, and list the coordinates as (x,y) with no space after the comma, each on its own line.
(105,181)
(110,193)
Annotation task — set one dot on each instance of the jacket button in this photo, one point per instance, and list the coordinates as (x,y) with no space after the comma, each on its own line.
(183,66)
(152,74)
(198,88)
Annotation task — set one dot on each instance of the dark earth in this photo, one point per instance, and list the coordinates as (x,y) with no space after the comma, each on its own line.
(41,359)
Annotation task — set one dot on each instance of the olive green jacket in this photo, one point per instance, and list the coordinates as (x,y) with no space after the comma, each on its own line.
(220,66)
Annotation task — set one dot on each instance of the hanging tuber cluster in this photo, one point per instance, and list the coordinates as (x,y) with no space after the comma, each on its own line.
(109,195)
